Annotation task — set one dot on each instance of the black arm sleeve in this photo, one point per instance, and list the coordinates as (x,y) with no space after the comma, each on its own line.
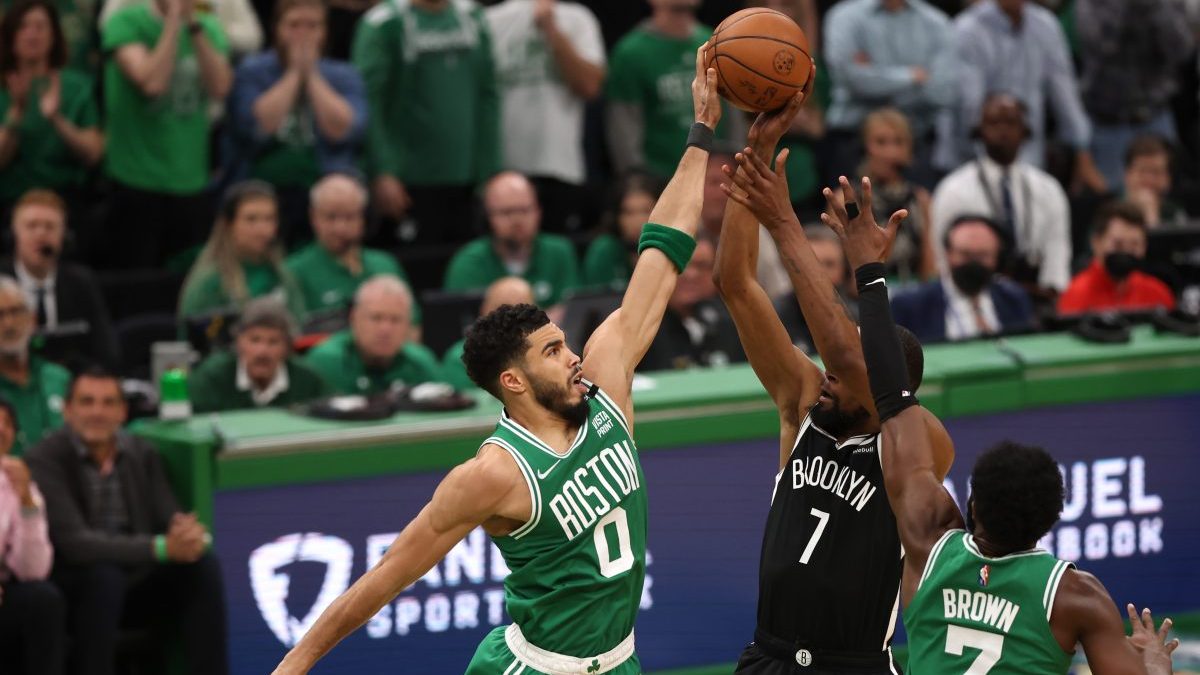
(881,347)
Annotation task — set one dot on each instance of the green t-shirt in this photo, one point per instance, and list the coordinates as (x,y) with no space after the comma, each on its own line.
(606,264)
(552,269)
(157,144)
(43,158)
(203,292)
(327,284)
(39,402)
(212,386)
(453,369)
(431,88)
(655,72)
(289,158)
(337,361)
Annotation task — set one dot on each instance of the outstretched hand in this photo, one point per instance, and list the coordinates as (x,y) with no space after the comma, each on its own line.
(705,99)
(862,238)
(769,127)
(760,189)
(1151,644)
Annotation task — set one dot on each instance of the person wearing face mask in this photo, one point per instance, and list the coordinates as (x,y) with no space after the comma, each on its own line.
(515,247)
(243,258)
(610,257)
(970,300)
(1112,281)
(34,386)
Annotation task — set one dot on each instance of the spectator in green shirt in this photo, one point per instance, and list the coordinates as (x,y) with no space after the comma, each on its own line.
(260,371)
(35,387)
(165,62)
(506,291)
(515,247)
(331,268)
(433,132)
(377,351)
(243,259)
(610,257)
(51,133)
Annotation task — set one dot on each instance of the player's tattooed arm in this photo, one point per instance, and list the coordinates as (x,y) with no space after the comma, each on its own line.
(473,493)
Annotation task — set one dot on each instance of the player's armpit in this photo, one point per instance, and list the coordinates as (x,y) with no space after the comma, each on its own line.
(1084,613)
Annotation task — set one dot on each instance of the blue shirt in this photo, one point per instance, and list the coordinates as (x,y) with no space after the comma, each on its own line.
(1029,61)
(894,43)
(258,73)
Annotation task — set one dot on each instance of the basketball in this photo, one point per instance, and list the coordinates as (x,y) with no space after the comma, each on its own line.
(761,57)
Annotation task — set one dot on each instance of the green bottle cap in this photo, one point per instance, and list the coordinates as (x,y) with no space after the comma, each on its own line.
(173,402)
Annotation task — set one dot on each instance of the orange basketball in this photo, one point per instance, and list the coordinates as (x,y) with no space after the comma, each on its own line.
(762,59)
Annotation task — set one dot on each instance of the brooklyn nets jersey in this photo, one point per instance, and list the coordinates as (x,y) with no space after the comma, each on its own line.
(974,614)
(829,578)
(577,565)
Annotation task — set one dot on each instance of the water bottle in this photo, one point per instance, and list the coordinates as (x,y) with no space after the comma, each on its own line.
(173,401)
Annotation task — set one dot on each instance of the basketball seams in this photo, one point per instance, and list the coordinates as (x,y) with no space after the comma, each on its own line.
(772,80)
(761,10)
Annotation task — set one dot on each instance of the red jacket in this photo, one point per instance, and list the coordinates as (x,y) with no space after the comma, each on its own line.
(1093,289)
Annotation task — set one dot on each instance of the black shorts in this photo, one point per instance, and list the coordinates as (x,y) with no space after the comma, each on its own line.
(755,661)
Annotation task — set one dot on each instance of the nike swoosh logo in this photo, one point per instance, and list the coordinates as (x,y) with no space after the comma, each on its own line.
(543,474)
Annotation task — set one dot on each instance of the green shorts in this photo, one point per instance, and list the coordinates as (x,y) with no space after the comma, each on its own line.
(494,657)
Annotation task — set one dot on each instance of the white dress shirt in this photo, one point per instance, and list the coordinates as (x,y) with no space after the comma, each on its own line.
(275,387)
(30,285)
(961,320)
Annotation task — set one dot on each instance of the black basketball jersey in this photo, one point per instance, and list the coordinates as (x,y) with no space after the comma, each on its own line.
(829,577)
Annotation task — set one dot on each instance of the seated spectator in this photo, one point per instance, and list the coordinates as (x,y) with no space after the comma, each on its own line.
(260,371)
(377,351)
(331,268)
(61,293)
(51,133)
(1112,281)
(243,258)
(888,141)
(549,64)
(828,249)
(166,61)
(237,18)
(1148,182)
(610,257)
(1028,204)
(295,116)
(1130,52)
(34,386)
(971,300)
(868,69)
(33,615)
(696,329)
(515,247)
(124,548)
(506,291)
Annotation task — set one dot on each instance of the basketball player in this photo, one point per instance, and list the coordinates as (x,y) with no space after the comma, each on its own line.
(979,598)
(558,484)
(829,574)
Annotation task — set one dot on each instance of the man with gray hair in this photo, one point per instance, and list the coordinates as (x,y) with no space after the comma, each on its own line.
(260,371)
(377,350)
(332,267)
(35,387)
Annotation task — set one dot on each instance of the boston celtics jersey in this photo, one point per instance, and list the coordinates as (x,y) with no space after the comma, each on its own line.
(974,614)
(578,563)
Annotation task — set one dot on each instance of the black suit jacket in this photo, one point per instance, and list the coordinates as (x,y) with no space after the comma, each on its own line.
(923,309)
(77,294)
(57,468)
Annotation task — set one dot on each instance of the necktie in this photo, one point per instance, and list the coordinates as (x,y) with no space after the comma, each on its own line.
(980,322)
(39,298)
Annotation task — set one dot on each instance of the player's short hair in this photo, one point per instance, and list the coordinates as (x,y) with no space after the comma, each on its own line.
(1018,494)
(914,356)
(1146,145)
(496,340)
(1118,210)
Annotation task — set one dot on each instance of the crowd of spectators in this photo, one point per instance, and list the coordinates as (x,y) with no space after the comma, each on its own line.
(340,181)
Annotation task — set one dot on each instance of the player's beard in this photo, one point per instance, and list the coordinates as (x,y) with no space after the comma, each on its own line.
(837,422)
(554,398)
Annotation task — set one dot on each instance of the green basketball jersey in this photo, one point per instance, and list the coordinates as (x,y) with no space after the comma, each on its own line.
(578,564)
(973,614)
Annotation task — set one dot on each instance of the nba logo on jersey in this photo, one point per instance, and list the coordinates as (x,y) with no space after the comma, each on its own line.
(984,573)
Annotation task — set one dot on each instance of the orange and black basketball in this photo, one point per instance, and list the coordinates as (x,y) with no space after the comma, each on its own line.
(762,59)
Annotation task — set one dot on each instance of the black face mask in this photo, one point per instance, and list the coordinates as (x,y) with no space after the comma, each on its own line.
(1119,265)
(971,277)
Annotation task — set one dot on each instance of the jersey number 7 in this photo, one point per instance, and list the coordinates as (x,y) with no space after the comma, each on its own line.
(989,645)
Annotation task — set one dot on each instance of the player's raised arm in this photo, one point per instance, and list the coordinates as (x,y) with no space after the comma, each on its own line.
(922,507)
(790,378)
(667,242)
(476,491)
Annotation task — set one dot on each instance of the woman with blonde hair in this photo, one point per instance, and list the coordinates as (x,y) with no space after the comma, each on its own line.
(888,153)
(243,258)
